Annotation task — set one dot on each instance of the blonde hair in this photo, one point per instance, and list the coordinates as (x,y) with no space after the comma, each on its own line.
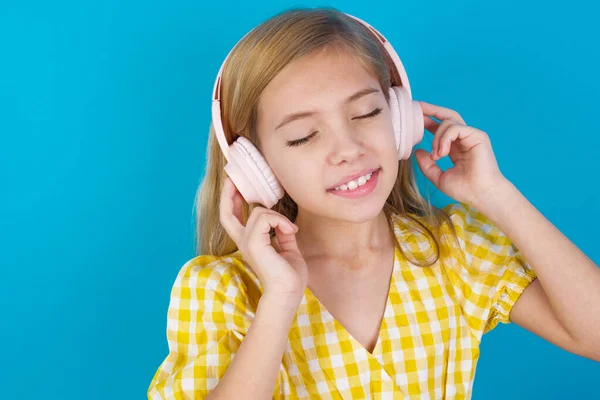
(255,61)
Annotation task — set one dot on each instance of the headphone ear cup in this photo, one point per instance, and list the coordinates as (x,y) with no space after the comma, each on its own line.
(252,175)
(396,116)
(418,119)
(407,119)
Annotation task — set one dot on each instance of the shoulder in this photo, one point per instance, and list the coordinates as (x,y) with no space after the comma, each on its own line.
(469,224)
(459,226)
(464,216)
(416,237)
(460,214)
(477,233)
(227,275)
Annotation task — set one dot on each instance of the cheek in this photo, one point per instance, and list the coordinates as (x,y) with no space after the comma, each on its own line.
(384,142)
(389,134)
(300,179)
(295,174)
(385,146)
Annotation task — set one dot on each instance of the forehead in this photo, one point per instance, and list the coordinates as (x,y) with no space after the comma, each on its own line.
(319,81)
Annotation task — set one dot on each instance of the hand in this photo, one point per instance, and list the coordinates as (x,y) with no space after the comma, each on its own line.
(277,262)
(475,169)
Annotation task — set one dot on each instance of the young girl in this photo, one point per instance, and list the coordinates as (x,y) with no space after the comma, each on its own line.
(339,280)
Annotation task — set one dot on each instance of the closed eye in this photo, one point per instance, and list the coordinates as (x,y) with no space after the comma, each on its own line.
(371,114)
(306,139)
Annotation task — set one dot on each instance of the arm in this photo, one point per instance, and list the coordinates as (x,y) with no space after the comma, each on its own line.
(563,304)
(252,373)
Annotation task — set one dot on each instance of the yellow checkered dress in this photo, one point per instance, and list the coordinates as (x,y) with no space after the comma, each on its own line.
(429,339)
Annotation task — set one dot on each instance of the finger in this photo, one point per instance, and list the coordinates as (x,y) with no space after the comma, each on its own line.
(428,166)
(466,137)
(431,125)
(238,202)
(256,214)
(275,244)
(258,229)
(435,145)
(287,241)
(227,214)
(275,213)
(440,113)
(449,136)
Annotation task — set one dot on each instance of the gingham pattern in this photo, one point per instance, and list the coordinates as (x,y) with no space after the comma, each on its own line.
(430,334)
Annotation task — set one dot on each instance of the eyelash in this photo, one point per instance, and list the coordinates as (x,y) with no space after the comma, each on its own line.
(306,139)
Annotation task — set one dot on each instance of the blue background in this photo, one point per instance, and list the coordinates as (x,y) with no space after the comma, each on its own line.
(104,116)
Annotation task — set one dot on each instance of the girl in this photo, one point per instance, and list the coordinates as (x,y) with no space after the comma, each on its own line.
(348,284)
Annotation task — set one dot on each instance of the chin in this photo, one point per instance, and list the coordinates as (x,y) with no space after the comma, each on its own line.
(352,210)
(364,214)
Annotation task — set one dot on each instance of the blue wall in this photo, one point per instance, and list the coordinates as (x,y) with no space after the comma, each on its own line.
(104,115)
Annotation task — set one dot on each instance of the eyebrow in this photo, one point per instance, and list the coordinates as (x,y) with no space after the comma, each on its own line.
(295,116)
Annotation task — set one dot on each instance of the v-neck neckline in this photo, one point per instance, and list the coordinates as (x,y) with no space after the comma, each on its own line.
(377,350)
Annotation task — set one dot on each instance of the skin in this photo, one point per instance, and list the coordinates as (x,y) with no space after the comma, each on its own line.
(331,227)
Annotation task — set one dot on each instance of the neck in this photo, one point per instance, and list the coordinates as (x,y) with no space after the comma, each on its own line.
(326,239)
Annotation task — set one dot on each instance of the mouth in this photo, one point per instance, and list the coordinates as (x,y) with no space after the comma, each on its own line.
(359,187)
(354,177)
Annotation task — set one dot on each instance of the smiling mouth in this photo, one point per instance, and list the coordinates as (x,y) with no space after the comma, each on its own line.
(358,189)
(357,181)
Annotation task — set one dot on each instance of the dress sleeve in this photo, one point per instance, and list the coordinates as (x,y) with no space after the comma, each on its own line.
(493,273)
(207,319)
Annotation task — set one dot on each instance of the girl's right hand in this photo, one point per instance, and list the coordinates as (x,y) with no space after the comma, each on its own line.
(277,262)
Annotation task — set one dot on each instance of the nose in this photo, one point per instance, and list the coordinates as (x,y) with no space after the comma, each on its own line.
(347,145)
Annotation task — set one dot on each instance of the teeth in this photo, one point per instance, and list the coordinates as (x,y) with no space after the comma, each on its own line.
(351,185)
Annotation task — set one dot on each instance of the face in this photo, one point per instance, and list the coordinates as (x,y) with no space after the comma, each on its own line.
(311,155)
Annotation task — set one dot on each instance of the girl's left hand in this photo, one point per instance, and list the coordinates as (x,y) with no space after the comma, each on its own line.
(475,169)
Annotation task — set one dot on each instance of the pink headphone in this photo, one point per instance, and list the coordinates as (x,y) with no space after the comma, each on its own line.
(248,169)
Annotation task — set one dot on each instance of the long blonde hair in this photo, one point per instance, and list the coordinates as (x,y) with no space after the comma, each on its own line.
(256,60)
